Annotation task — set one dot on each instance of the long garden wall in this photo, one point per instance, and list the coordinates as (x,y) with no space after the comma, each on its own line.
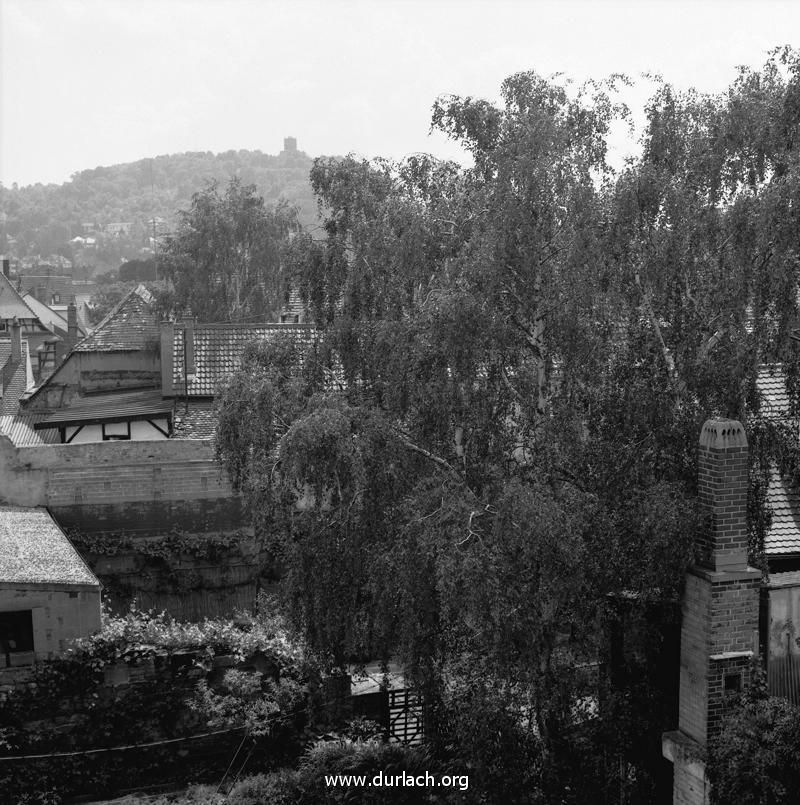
(143,487)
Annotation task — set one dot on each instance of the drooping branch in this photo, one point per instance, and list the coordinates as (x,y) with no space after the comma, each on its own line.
(672,372)
(438,460)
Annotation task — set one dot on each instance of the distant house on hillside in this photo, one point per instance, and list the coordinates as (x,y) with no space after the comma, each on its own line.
(119,228)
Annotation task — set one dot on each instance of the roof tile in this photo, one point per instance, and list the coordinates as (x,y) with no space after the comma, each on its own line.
(218,351)
(131,326)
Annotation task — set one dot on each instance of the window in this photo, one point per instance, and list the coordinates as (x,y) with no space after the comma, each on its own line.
(732,683)
(16,635)
(116,431)
(56,299)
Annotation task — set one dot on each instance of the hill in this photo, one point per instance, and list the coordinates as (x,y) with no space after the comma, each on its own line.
(104,215)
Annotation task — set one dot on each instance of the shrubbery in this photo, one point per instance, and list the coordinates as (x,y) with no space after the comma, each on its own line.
(178,691)
(755,759)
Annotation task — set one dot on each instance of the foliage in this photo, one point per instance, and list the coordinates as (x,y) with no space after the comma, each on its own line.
(755,759)
(43,219)
(106,298)
(138,271)
(260,704)
(106,716)
(224,258)
(138,632)
(161,563)
(497,427)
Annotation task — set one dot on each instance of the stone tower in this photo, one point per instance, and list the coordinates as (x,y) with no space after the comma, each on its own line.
(719,632)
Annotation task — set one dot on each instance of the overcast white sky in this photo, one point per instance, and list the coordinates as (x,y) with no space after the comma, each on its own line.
(98,82)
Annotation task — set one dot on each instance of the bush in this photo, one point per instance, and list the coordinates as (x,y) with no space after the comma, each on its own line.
(755,759)
(278,788)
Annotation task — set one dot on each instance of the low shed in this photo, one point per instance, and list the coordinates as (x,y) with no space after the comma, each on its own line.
(48,595)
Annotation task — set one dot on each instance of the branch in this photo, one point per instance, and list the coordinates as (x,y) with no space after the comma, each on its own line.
(509,385)
(438,460)
(672,371)
(712,342)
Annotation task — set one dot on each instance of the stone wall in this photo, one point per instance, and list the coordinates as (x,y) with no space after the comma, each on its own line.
(147,487)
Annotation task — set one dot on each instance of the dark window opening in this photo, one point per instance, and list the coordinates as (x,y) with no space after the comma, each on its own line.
(733,683)
(16,634)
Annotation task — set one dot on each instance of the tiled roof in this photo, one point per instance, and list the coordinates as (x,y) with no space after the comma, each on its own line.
(199,422)
(20,429)
(131,326)
(11,303)
(114,407)
(771,383)
(783,500)
(52,284)
(34,550)
(18,383)
(218,351)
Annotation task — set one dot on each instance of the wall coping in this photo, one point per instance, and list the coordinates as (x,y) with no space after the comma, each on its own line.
(730,655)
(719,576)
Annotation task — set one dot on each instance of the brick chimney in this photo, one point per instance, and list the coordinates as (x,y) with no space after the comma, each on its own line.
(16,341)
(6,267)
(719,631)
(723,471)
(72,326)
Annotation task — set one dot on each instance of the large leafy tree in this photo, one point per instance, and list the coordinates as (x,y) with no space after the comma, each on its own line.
(224,259)
(496,429)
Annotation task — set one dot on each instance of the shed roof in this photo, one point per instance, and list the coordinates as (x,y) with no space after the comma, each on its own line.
(218,351)
(34,550)
(115,407)
(20,429)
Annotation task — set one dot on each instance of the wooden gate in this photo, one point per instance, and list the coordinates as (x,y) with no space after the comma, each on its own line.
(401,713)
(406,717)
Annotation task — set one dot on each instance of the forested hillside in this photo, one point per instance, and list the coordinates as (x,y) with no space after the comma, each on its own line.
(110,210)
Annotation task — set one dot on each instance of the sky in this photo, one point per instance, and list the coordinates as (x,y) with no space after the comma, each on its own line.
(85,83)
